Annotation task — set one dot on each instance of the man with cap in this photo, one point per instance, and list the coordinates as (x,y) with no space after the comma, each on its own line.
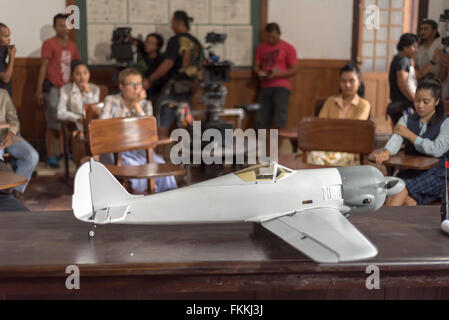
(427,62)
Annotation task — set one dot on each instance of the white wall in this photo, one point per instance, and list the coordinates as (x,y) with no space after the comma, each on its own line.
(30,22)
(319,29)
(436,8)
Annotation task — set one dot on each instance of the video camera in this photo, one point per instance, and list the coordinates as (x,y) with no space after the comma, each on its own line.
(122,45)
(215,38)
(215,73)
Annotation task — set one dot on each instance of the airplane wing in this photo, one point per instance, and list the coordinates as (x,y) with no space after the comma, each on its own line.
(324,235)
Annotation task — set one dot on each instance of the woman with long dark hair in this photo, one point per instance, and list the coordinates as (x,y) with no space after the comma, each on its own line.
(424,133)
(347,105)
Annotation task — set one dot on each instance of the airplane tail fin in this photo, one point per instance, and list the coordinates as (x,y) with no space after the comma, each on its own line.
(96,188)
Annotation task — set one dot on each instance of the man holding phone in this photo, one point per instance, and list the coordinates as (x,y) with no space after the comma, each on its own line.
(276,61)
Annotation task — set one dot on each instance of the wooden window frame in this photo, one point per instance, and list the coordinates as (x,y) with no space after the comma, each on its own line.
(412,12)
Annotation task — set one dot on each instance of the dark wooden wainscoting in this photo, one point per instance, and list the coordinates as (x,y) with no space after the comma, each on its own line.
(315,79)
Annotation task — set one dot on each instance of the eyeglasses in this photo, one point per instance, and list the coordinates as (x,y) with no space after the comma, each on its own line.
(134,84)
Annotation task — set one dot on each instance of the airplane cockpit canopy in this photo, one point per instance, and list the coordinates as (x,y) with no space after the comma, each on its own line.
(268,172)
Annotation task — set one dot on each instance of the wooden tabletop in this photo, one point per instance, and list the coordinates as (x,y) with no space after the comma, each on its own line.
(403,161)
(151,170)
(10,180)
(150,261)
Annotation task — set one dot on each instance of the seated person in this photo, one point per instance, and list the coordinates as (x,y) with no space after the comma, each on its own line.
(149,60)
(347,105)
(424,133)
(15,145)
(131,102)
(72,97)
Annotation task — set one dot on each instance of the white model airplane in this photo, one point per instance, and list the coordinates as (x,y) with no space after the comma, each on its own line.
(305,208)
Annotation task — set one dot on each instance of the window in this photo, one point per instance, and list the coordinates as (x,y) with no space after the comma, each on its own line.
(378,46)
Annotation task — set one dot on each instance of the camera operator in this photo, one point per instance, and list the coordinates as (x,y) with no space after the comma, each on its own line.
(149,60)
(181,65)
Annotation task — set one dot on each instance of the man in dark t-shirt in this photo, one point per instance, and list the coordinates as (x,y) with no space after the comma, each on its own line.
(402,78)
(181,65)
(6,50)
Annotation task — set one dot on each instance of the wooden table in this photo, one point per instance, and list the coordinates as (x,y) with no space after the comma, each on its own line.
(9,180)
(402,161)
(216,261)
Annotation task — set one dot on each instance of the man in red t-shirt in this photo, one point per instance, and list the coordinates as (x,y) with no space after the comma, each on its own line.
(276,62)
(57,54)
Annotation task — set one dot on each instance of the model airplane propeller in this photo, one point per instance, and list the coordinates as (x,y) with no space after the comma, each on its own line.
(305,208)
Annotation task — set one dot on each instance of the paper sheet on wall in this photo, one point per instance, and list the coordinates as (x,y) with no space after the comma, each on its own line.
(230,11)
(197,9)
(239,45)
(203,31)
(148,11)
(99,43)
(106,11)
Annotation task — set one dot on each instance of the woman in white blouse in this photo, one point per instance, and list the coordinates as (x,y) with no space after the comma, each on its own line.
(74,95)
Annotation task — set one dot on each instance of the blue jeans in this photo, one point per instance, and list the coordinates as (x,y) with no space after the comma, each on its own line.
(27,157)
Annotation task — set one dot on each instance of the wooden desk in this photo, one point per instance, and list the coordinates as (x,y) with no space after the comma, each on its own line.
(9,180)
(402,161)
(216,261)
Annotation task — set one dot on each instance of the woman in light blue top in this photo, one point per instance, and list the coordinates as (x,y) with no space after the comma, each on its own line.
(425,133)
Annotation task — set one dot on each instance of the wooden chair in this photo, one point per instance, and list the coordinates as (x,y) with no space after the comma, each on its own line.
(91,112)
(127,134)
(104,91)
(338,135)
(292,133)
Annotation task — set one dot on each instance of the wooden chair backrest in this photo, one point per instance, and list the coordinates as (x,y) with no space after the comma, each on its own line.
(91,112)
(319,104)
(104,91)
(122,134)
(339,135)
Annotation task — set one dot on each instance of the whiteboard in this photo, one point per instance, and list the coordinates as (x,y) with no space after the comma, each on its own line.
(146,16)
(317,29)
